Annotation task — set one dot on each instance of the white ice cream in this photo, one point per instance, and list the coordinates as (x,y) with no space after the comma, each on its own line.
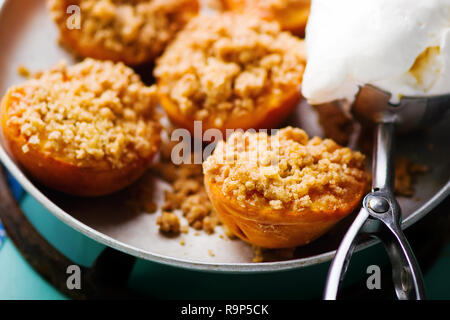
(401,46)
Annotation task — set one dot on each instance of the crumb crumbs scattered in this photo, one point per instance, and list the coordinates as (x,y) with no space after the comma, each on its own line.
(418,168)
(169,223)
(405,172)
(257,254)
(211,253)
(185,229)
(188,192)
(209,223)
(265,255)
(23,71)
(183,242)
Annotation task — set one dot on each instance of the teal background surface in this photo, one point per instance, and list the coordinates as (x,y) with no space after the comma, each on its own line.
(19,281)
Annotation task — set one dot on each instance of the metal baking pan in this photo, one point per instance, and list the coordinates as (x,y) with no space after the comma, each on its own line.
(29,37)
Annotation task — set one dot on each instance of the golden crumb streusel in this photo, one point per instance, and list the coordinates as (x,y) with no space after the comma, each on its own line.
(89,112)
(169,223)
(188,194)
(132,31)
(23,71)
(285,170)
(405,172)
(187,191)
(229,64)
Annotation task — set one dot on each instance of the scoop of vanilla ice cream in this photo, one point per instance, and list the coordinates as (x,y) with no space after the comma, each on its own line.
(401,46)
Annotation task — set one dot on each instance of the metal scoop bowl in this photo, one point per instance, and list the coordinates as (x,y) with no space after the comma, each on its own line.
(380,216)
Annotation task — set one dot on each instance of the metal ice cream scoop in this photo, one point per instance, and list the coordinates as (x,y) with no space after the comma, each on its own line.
(380,216)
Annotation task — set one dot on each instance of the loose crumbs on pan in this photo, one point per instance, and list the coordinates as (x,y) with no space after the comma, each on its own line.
(285,170)
(23,71)
(405,172)
(229,64)
(169,223)
(89,112)
(140,29)
(188,194)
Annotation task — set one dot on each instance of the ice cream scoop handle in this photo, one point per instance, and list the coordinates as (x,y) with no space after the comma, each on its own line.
(383,157)
(382,206)
(406,273)
(380,217)
(343,254)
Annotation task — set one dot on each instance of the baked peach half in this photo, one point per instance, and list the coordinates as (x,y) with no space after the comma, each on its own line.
(133,32)
(291,14)
(89,129)
(283,190)
(230,71)
(269,114)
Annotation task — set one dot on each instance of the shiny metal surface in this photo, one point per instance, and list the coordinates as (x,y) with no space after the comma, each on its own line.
(31,40)
(341,260)
(381,214)
(378,205)
(410,114)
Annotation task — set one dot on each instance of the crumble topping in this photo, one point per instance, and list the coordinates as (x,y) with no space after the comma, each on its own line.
(229,64)
(285,170)
(169,223)
(23,71)
(188,194)
(89,112)
(139,28)
(405,172)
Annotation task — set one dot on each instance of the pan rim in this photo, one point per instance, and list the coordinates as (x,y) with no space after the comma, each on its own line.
(262,267)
